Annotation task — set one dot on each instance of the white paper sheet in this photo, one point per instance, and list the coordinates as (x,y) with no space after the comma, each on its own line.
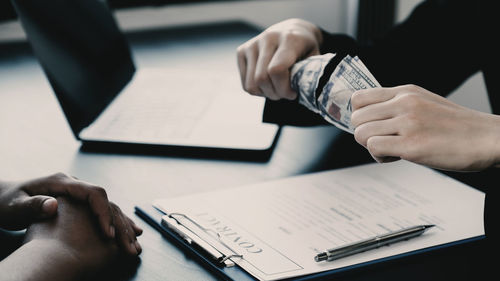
(279,226)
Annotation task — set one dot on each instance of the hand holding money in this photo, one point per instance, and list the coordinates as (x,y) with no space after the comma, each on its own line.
(329,94)
(432,126)
(264,62)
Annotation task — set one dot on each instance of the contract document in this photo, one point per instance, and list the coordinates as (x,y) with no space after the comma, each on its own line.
(274,229)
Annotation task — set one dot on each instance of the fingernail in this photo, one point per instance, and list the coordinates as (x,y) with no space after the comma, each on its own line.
(48,205)
(112,231)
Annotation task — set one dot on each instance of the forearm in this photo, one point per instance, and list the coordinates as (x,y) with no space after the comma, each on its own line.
(495,139)
(41,259)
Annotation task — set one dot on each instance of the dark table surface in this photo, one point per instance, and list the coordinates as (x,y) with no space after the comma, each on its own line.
(35,140)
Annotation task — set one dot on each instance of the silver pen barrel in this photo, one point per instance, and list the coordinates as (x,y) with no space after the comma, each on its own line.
(372,243)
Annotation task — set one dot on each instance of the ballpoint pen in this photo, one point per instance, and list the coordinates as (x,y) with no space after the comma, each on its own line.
(372,243)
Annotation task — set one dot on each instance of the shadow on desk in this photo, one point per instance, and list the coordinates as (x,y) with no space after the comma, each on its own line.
(121,269)
(11,52)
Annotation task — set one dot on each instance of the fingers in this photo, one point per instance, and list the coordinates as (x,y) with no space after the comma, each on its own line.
(385,148)
(24,210)
(265,68)
(242,65)
(251,55)
(374,112)
(362,98)
(262,79)
(364,132)
(126,232)
(264,62)
(375,135)
(38,207)
(279,71)
(377,123)
(113,222)
(95,196)
(49,205)
(137,229)
(98,201)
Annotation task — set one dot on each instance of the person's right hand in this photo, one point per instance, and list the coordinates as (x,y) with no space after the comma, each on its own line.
(265,60)
(411,123)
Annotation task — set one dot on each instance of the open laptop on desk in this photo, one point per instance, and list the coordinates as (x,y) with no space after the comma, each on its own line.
(88,63)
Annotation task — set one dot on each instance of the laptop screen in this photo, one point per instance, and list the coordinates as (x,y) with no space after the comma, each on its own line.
(84,55)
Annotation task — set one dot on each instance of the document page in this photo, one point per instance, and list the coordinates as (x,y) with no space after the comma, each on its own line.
(279,226)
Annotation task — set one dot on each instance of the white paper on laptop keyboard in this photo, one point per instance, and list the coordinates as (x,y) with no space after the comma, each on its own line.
(184,107)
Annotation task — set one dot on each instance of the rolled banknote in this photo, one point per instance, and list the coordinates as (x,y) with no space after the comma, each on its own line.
(349,76)
(305,76)
(334,100)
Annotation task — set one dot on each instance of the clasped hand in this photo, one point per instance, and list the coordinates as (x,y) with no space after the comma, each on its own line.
(23,203)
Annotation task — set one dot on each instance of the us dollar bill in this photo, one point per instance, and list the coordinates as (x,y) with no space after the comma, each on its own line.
(305,76)
(334,102)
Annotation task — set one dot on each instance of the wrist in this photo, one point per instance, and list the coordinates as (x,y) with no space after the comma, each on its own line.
(495,145)
(70,261)
(43,259)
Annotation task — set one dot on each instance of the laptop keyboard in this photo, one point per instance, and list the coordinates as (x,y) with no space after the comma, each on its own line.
(167,104)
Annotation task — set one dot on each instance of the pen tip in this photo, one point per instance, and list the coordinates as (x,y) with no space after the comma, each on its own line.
(429,226)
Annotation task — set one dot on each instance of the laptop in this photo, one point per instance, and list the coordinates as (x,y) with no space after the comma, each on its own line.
(110,104)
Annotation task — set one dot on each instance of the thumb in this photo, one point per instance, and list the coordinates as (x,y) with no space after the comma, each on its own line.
(38,207)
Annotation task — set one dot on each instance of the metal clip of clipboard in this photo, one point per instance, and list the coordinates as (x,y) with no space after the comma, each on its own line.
(195,234)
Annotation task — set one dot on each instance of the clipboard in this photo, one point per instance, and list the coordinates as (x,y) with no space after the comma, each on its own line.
(153,217)
(219,258)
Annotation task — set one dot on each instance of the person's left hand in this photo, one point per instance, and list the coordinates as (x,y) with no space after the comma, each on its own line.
(411,123)
(23,203)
